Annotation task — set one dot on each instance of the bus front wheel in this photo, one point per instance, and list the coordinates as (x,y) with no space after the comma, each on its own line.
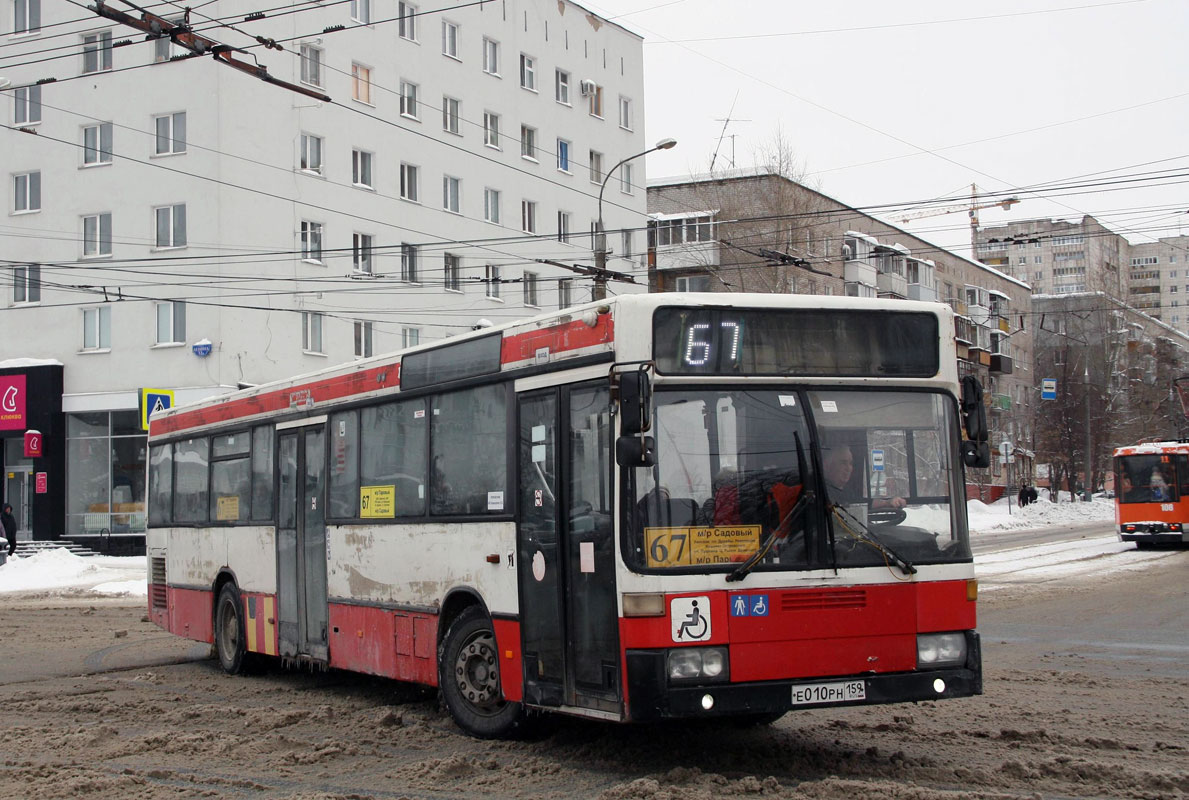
(230,639)
(469,678)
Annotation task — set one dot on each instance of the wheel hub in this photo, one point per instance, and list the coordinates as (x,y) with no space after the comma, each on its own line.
(476,671)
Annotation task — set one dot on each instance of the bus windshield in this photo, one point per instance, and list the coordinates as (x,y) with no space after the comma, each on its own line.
(1155,478)
(835,475)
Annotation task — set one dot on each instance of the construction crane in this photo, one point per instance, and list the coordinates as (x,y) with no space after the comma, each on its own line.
(972,208)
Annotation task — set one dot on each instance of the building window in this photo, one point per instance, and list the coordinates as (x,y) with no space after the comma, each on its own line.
(311,331)
(528,72)
(528,142)
(450,114)
(449,39)
(491,205)
(311,241)
(561,86)
(26,284)
(563,155)
(97,144)
(595,160)
(528,216)
(97,328)
(625,179)
(26,16)
(26,192)
(627,244)
(565,292)
(491,278)
(694,283)
(170,138)
(530,289)
(361,11)
(163,48)
(27,100)
(97,235)
(453,269)
(171,225)
(361,253)
(491,56)
(406,21)
(408,263)
(625,112)
(171,322)
(363,339)
(410,337)
(408,182)
(450,192)
(408,99)
(361,83)
(311,65)
(563,226)
(97,52)
(491,129)
(361,168)
(311,153)
(595,93)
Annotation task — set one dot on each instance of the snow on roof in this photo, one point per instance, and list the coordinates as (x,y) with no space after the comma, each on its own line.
(16,363)
(871,240)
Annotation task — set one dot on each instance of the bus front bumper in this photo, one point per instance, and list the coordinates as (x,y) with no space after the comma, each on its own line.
(652,697)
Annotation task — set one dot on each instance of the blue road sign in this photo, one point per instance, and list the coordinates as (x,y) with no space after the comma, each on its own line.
(1048,389)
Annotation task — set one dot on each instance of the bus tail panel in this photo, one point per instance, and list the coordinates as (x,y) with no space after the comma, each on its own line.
(191,613)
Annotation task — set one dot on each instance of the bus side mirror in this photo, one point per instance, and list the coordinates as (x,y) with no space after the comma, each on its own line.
(635,402)
(635,451)
(973,411)
(976,455)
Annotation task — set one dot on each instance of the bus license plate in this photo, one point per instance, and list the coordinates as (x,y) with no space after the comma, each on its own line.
(837,692)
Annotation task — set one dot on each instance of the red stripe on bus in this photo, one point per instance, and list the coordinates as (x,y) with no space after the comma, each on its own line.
(557,338)
(507,640)
(394,644)
(191,613)
(368,380)
(515,348)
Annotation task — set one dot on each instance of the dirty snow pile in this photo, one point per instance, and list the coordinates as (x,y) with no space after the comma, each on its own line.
(998,516)
(61,572)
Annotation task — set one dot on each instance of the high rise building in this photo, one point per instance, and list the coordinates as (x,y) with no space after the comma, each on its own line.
(180,225)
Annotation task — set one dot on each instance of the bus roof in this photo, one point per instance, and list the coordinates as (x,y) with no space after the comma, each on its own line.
(586,330)
(1153,448)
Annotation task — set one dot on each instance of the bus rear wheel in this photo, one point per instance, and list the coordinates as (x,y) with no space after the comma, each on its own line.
(469,678)
(230,637)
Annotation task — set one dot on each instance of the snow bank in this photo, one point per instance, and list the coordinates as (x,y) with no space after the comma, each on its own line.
(1041,514)
(59,570)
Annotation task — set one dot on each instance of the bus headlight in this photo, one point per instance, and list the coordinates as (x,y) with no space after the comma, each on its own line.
(941,649)
(698,664)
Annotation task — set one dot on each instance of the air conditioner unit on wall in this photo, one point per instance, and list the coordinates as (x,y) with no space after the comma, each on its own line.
(587,87)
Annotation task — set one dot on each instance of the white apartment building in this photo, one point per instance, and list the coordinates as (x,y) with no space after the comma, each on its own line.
(1158,280)
(176,224)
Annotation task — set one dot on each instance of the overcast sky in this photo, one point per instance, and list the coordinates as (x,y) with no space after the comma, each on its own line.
(897,102)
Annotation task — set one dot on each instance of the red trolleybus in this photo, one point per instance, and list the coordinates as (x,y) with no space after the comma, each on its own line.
(1152,493)
(659,506)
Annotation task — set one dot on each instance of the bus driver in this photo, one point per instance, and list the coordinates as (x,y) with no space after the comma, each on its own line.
(837,465)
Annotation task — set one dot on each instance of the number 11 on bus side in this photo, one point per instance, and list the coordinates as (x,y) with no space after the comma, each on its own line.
(443,514)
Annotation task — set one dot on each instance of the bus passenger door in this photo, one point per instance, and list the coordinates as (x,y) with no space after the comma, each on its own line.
(565,543)
(301,544)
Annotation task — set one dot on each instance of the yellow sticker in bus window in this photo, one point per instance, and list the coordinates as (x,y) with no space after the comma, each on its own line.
(687,547)
(377,502)
(227,507)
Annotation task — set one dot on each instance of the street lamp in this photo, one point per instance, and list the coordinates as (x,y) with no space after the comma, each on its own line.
(600,253)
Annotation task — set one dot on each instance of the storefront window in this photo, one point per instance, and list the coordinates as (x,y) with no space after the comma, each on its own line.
(105,473)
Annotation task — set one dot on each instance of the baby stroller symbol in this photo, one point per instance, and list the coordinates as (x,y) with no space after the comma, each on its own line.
(690,619)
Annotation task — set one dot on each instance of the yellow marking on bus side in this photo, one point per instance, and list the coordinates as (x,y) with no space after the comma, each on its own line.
(250,624)
(270,626)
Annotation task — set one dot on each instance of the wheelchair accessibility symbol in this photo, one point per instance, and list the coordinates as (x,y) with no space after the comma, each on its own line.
(689,619)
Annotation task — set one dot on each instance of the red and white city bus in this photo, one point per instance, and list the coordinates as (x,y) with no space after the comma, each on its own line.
(630,510)
(1152,493)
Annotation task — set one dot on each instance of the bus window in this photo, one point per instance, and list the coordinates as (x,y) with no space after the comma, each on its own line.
(231,478)
(469,435)
(343,492)
(1146,479)
(160,484)
(393,454)
(262,476)
(1181,463)
(191,478)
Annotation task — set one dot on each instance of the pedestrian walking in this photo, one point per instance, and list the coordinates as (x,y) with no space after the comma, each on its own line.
(10,527)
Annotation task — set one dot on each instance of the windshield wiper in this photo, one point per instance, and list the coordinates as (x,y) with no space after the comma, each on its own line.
(863,533)
(784,527)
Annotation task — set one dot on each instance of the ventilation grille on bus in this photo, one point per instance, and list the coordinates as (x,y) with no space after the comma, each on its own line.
(825,599)
(157,594)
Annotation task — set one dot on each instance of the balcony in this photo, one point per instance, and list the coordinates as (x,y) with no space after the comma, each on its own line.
(1001,364)
(1001,402)
(918,291)
(856,271)
(889,283)
(689,255)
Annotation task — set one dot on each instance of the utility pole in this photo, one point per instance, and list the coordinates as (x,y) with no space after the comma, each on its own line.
(1089,457)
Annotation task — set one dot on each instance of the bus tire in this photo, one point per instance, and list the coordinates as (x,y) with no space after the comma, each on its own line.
(230,637)
(469,678)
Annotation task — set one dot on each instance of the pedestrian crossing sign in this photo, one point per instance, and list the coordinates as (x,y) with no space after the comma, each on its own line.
(152,401)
